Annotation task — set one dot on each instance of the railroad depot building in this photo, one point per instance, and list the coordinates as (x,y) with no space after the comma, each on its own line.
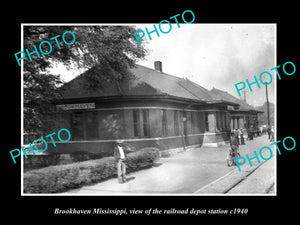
(148,109)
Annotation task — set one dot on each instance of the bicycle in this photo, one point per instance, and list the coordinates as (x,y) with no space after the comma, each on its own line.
(232,155)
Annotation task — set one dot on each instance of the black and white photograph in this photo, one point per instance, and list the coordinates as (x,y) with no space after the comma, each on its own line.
(107,112)
(137,113)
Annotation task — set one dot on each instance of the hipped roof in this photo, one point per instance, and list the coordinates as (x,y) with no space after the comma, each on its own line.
(145,81)
(243,106)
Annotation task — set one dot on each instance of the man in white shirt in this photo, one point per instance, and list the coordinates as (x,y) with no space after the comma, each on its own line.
(120,156)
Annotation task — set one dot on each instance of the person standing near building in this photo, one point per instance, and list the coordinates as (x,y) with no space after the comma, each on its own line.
(120,156)
(237,136)
(234,143)
(269,132)
(250,133)
(241,134)
(272,134)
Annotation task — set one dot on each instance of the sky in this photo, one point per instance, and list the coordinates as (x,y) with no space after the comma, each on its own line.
(213,56)
(218,55)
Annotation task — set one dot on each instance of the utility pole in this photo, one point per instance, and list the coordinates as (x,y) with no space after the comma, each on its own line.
(244,96)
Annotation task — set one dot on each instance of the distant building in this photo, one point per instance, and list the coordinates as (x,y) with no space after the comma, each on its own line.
(242,116)
(150,108)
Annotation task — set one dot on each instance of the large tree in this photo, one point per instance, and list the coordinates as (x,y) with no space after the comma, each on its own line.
(114,47)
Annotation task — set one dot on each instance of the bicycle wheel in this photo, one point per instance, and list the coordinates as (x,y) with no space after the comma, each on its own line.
(237,155)
(229,160)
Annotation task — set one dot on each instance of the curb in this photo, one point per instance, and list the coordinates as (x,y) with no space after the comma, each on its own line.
(173,151)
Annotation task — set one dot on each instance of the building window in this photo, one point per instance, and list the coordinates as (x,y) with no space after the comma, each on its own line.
(206,121)
(191,119)
(77,126)
(146,122)
(176,123)
(194,122)
(136,122)
(189,123)
(91,125)
(247,122)
(217,114)
(224,121)
(200,121)
(145,132)
(164,123)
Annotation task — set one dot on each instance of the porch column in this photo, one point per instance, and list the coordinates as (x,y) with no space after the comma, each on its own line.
(235,124)
(241,122)
(212,122)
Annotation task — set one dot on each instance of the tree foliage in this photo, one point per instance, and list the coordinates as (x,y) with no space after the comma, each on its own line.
(263,117)
(113,48)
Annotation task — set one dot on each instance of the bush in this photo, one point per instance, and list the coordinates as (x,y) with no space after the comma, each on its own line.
(61,178)
(40,161)
(79,156)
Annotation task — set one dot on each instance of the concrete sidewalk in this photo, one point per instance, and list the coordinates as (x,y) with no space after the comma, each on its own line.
(182,173)
(259,179)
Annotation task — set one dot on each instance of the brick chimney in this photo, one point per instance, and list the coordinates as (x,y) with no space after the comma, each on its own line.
(158,66)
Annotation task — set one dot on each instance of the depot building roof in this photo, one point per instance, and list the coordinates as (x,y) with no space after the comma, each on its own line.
(145,82)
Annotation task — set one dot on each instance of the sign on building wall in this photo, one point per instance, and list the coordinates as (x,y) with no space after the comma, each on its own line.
(90,105)
(230,107)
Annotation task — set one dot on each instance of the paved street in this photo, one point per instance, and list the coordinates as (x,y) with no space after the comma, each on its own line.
(190,172)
